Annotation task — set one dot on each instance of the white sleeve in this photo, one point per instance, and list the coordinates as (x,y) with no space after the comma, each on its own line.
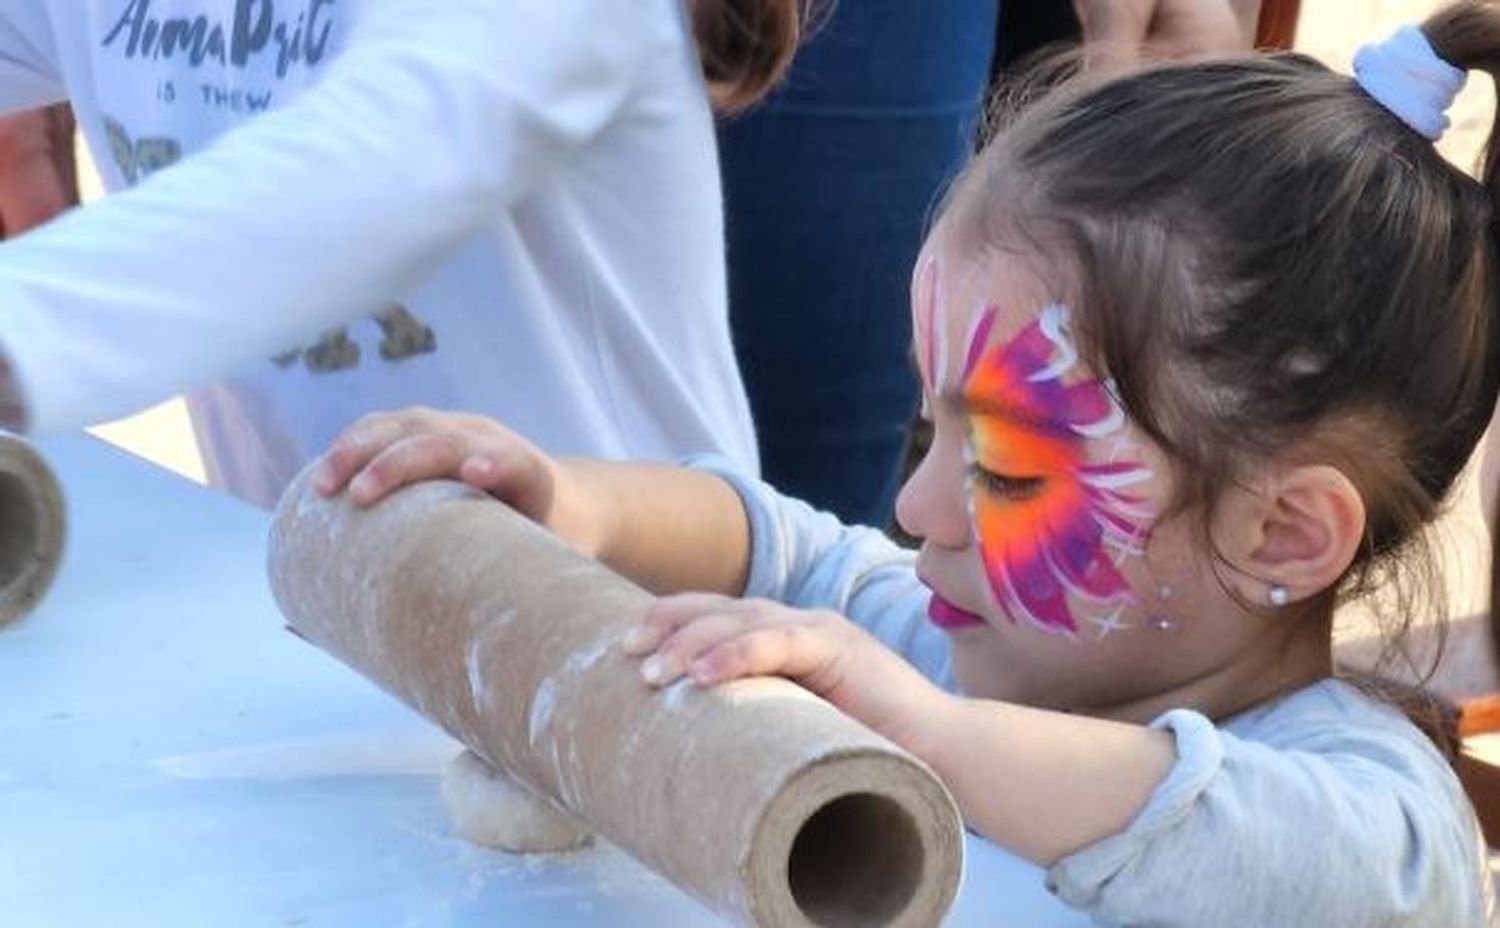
(435,117)
(28,69)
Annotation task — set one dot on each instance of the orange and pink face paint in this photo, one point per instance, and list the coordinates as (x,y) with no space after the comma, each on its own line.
(1051,522)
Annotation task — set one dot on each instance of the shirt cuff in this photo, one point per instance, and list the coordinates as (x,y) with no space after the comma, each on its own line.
(1081,878)
(764,542)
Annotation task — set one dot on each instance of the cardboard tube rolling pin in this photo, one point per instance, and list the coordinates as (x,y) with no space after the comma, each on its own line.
(760,799)
(32,527)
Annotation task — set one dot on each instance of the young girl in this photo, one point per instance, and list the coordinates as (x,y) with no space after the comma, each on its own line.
(325,208)
(1203,346)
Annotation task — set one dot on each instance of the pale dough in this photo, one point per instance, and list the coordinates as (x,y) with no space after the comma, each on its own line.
(489,809)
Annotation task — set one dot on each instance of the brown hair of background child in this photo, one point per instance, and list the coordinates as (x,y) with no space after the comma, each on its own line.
(1348,319)
(746,46)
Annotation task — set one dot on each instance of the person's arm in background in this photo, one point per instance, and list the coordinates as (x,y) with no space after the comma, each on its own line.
(38,174)
(1168,28)
(433,119)
(29,80)
(38,181)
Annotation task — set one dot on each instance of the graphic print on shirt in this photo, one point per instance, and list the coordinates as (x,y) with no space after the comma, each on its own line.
(209,65)
(1052,526)
(139,159)
(287,33)
(404,337)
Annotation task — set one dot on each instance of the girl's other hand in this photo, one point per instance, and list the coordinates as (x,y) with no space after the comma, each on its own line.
(383,452)
(713,639)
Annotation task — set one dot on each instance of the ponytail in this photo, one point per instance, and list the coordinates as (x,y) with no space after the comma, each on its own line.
(1467,35)
(746,46)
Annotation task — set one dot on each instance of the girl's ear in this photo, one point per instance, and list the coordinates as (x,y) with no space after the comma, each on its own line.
(1292,535)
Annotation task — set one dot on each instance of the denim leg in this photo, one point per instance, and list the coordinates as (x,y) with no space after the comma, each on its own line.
(828,187)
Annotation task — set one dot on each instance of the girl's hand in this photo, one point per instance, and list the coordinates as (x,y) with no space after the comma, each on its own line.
(712,639)
(383,452)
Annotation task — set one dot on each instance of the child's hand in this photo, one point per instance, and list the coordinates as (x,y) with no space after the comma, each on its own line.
(713,639)
(383,452)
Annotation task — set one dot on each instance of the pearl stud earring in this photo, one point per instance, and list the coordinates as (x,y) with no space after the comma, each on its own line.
(1278,595)
(1162,621)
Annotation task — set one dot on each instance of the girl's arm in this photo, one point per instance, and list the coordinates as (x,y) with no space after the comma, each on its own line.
(709,529)
(432,119)
(667,528)
(1326,810)
(1043,783)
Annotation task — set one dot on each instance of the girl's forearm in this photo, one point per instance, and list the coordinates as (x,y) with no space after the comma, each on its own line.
(1042,783)
(670,529)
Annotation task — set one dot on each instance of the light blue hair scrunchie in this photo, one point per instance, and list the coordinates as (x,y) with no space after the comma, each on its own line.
(1408,78)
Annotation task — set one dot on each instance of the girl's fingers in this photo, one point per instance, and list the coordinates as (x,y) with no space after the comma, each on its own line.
(687,643)
(355,447)
(386,451)
(805,653)
(665,615)
(714,638)
(512,471)
(408,460)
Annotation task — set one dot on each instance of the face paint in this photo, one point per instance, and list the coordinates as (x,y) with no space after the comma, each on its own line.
(929,327)
(1048,522)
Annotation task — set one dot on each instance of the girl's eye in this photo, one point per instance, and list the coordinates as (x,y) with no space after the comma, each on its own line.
(1014,489)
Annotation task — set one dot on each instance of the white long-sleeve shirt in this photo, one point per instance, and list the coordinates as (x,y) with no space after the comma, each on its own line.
(329,207)
(1322,808)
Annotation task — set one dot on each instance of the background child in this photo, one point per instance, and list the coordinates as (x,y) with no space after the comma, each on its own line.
(511,207)
(1203,346)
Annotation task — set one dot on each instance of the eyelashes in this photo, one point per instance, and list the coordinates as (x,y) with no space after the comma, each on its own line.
(1006,487)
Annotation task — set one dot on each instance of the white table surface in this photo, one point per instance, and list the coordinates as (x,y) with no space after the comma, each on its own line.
(171,757)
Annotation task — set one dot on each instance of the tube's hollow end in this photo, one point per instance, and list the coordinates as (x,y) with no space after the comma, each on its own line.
(856,861)
(867,838)
(31,529)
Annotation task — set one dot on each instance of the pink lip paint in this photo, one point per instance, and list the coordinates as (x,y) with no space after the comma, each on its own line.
(947,616)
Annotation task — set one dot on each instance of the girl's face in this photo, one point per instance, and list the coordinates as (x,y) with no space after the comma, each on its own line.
(1039,505)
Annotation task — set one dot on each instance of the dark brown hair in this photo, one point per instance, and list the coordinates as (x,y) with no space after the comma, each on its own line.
(746,46)
(1268,263)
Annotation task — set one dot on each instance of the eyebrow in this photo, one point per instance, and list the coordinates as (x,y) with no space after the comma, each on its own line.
(964,407)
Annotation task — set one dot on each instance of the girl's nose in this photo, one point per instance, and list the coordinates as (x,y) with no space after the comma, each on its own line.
(932,504)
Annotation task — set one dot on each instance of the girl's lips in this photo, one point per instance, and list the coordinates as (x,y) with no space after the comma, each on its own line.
(947,616)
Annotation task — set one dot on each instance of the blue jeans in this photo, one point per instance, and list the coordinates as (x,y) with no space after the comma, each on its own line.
(828,186)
